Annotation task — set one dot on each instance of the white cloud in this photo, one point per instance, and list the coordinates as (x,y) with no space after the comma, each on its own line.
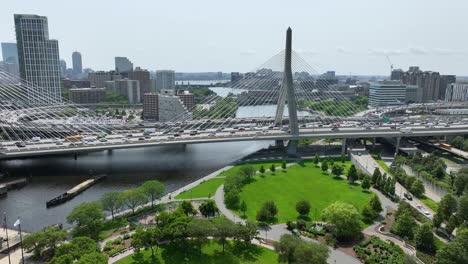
(385,52)
(418,51)
(343,50)
(248,52)
(307,52)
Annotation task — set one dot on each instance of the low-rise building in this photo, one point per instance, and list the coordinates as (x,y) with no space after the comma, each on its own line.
(386,93)
(87,95)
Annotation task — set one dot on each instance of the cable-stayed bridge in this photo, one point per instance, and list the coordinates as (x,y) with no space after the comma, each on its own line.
(299,107)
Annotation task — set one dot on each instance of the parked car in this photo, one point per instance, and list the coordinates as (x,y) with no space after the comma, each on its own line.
(408,196)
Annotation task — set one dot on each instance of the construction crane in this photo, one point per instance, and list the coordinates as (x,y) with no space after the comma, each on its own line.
(389,62)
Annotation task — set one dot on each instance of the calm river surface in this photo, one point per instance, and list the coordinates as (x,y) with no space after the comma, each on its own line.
(126,169)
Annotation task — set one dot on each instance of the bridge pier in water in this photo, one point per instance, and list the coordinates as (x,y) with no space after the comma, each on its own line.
(373,142)
(279,143)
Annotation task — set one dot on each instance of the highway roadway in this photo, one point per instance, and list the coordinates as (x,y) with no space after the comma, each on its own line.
(90,142)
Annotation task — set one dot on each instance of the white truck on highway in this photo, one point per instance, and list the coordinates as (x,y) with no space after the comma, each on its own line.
(405,130)
(149,131)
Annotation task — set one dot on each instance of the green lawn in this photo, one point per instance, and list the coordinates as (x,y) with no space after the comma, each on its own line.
(202,190)
(430,203)
(266,164)
(301,181)
(211,253)
(383,165)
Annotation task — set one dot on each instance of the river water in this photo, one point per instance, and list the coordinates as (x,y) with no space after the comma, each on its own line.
(53,175)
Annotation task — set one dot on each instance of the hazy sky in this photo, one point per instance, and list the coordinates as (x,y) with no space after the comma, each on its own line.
(349,36)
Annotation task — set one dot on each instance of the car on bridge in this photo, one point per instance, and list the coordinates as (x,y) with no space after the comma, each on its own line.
(20,144)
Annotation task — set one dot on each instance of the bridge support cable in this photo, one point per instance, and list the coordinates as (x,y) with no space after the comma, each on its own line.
(50,111)
(246,84)
(47,113)
(338,96)
(323,91)
(63,104)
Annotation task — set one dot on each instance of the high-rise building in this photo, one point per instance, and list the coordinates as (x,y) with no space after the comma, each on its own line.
(123,64)
(397,75)
(143,76)
(387,93)
(432,84)
(187,99)
(235,77)
(130,89)
(150,106)
(38,59)
(165,80)
(99,78)
(457,92)
(10,53)
(63,68)
(77,63)
(445,81)
(168,106)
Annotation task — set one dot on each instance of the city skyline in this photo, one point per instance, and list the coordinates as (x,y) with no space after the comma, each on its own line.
(354,38)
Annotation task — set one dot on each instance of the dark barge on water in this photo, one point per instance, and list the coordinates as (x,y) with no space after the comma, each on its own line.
(70,194)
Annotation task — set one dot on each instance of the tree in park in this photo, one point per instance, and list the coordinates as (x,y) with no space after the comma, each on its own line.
(352,174)
(79,250)
(337,170)
(316,159)
(41,240)
(346,220)
(243,207)
(87,218)
(112,202)
(424,239)
(283,165)
(224,229)
(272,168)
(187,208)
(95,258)
(375,204)
(134,198)
(438,217)
(463,207)
(292,249)
(232,200)
(152,236)
(286,247)
(303,207)
(455,251)
(246,232)
(324,166)
(404,225)
(153,190)
(376,176)
(268,212)
(458,141)
(448,205)
(138,239)
(262,169)
(248,171)
(208,208)
(365,184)
(417,188)
(461,183)
(311,253)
